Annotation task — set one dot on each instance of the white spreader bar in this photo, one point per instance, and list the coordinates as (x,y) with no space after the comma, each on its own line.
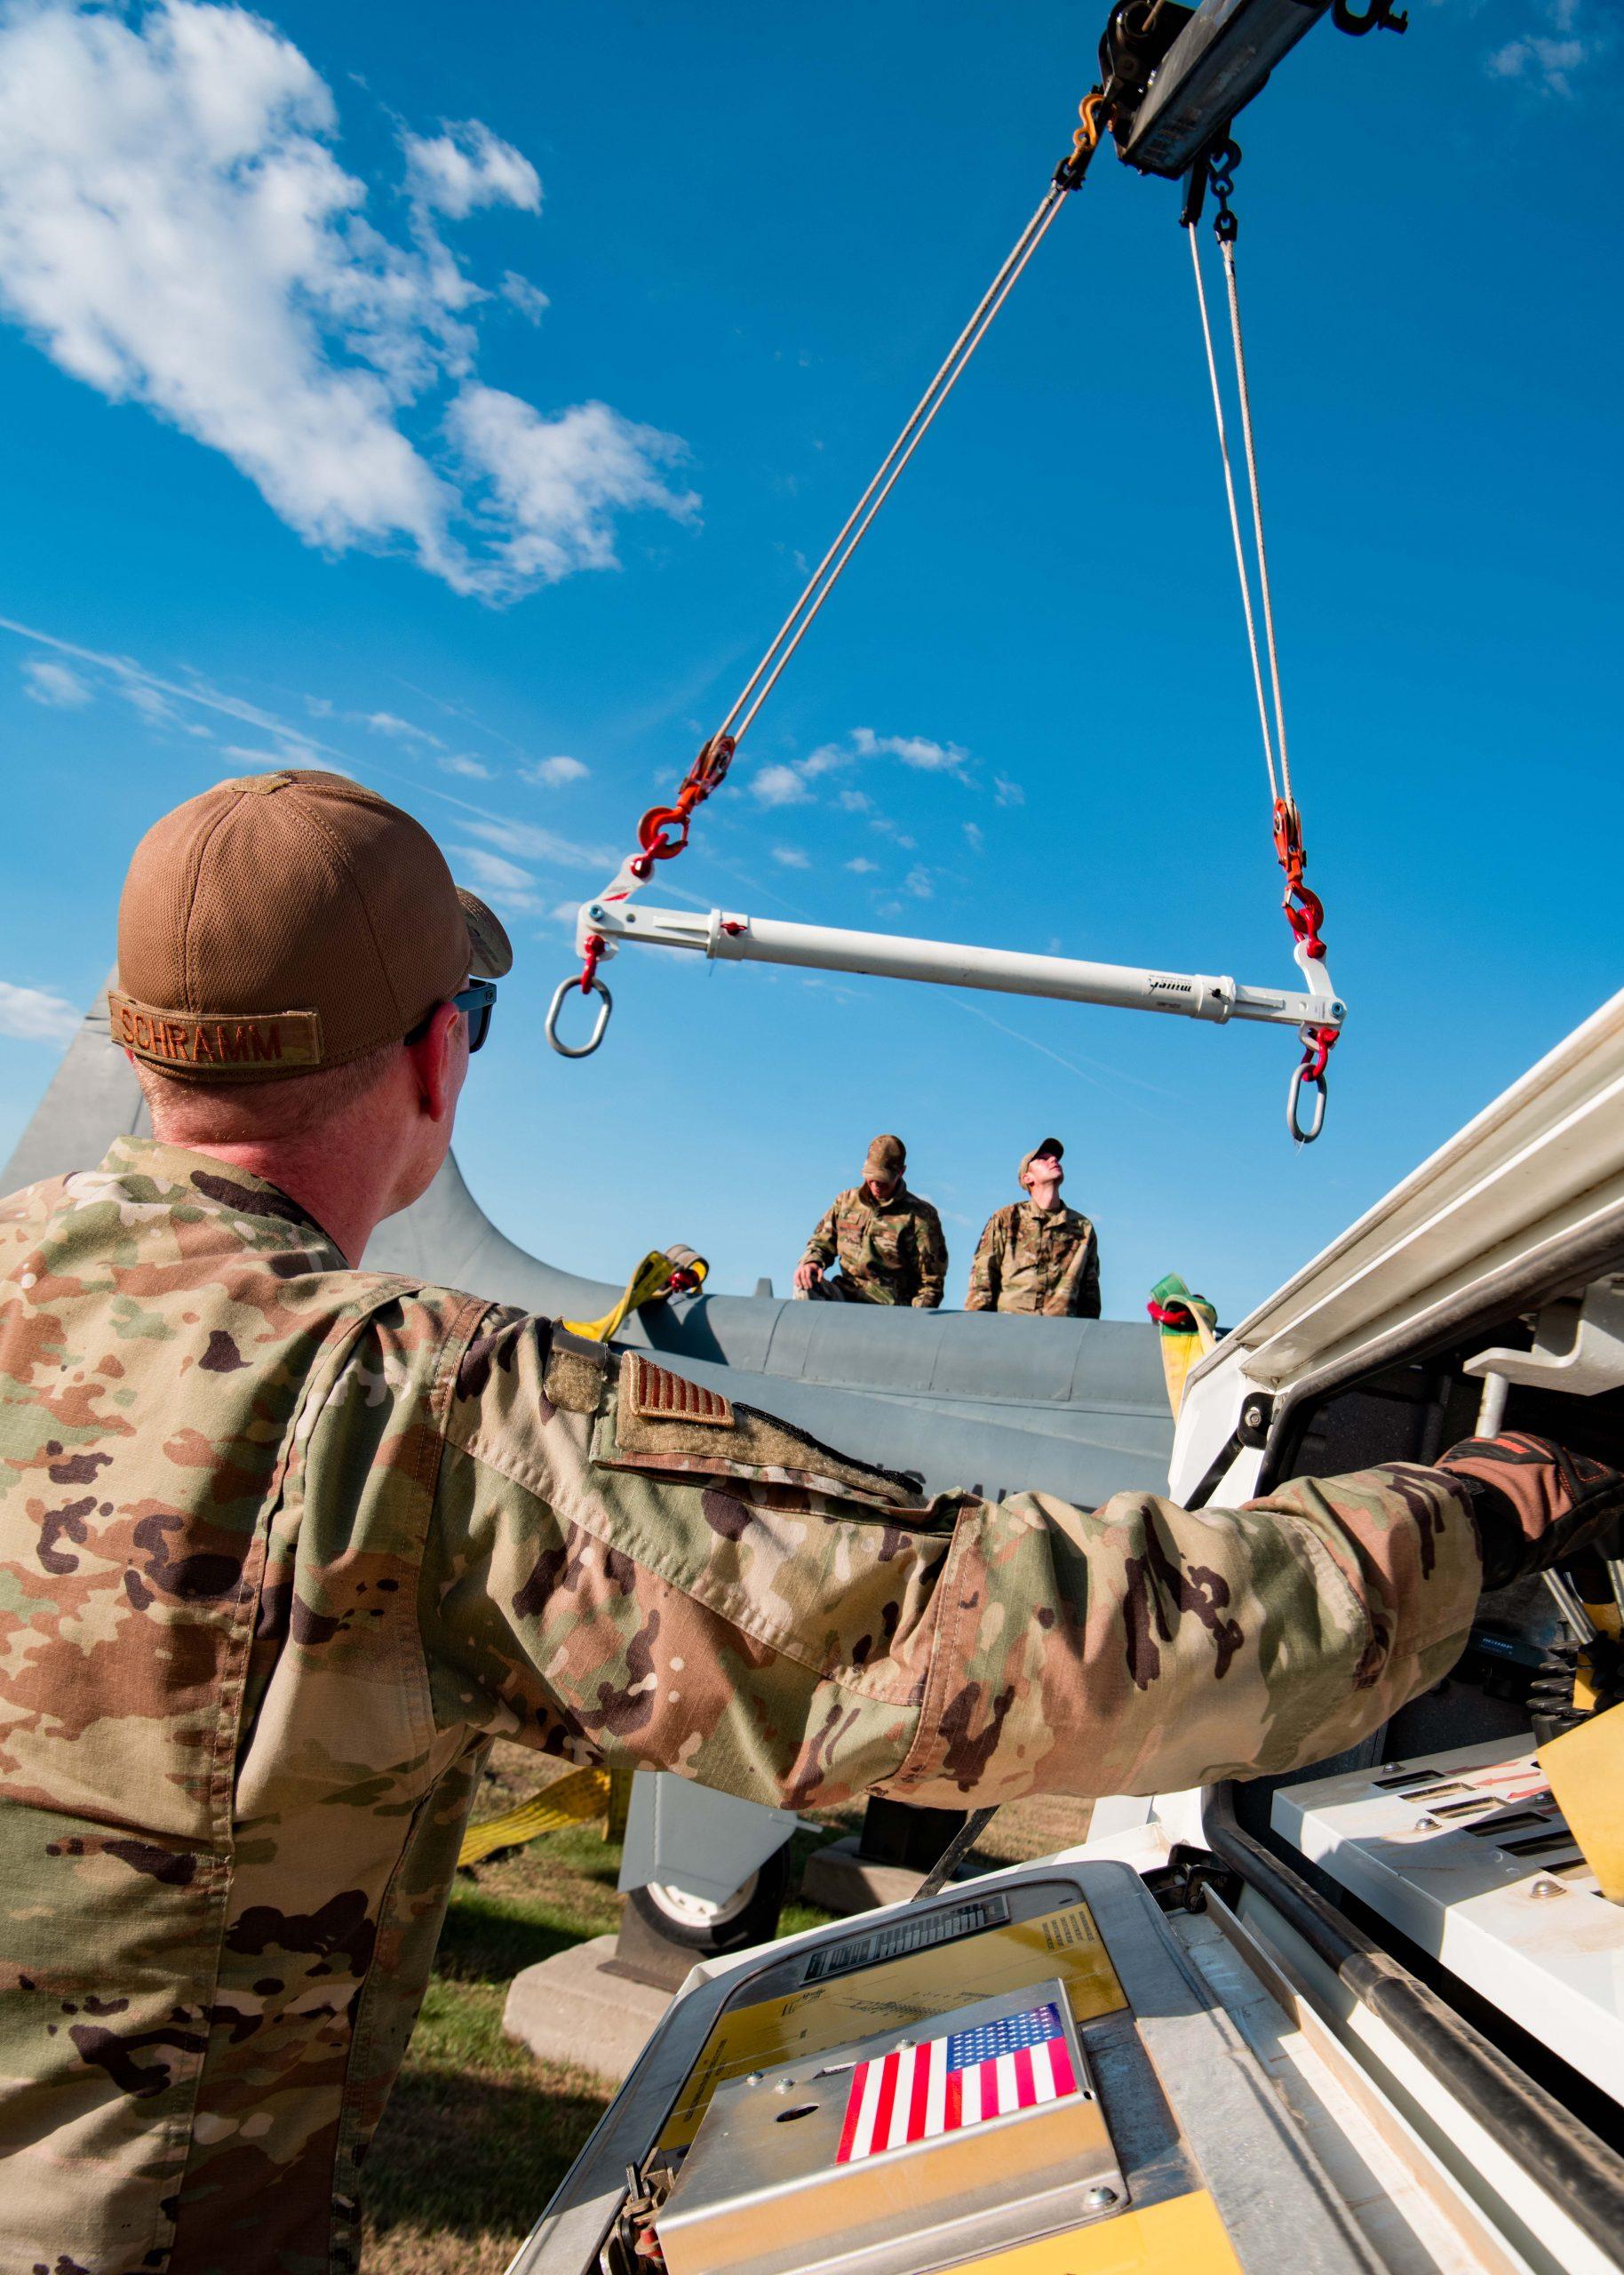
(731,938)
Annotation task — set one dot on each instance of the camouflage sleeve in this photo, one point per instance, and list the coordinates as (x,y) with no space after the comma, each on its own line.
(982,1294)
(638,1571)
(823,1244)
(1078,1295)
(932,1246)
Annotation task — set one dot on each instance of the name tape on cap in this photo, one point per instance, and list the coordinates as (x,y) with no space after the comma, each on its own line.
(249,1043)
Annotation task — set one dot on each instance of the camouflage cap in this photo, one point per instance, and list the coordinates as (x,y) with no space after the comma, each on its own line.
(1045,1146)
(288,921)
(887,1156)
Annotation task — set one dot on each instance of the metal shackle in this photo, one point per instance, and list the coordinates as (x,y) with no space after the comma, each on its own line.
(572,987)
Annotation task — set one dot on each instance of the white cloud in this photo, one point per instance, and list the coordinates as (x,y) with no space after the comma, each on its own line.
(29,1015)
(974,837)
(400,730)
(1538,58)
(513,889)
(532,302)
(53,684)
(785,785)
(555,773)
(474,769)
(566,913)
(176,231)
(779,786)
(466,166)
(917,882)
(913,750)
(1552,61)
(1008,792)
(534,844)
(862,866)
(790,857)
(161,700)
(557,482)
(153,704)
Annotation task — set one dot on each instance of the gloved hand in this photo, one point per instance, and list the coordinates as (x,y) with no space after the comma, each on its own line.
(1536,1504)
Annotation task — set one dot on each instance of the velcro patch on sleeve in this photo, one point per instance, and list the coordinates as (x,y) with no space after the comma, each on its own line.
(654,1394)
(662,1422)
(576,1372)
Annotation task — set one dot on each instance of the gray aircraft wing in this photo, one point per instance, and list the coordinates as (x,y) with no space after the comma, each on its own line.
(1072,1407)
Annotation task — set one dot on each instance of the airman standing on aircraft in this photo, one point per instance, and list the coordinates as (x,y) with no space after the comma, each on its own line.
(888,1241)
(285,1544)
(1036,1256)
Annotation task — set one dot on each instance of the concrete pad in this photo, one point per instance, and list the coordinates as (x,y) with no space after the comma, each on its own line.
(840,1881)
(569,2008)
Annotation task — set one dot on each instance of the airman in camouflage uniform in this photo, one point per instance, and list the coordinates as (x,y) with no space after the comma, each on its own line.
(1036,1256)
(889,1242)
(283,1545)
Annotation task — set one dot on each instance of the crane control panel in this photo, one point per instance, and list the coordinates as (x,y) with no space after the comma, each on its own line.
(1030,2075)
(1468,1855)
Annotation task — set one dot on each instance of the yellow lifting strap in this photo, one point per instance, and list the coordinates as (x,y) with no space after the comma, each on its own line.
(574,1799)
(1188,1325)
(673,1271)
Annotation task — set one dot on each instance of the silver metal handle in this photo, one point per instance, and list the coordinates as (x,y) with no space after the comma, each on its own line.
(1570,1604)
(561,993)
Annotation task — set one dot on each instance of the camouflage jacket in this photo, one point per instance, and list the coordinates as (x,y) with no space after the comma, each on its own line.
(1031,1259)
(282,1545)
(889,1251)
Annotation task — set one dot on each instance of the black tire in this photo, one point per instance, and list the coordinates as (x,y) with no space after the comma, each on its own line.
(750,1915)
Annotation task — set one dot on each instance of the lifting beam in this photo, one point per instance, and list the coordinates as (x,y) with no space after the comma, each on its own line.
(820,947)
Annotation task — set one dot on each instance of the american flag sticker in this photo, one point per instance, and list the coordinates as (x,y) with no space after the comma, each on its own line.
(945,2085)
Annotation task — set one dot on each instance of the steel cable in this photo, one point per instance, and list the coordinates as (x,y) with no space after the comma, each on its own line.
(1235,531)
(824,577)
(1257,518)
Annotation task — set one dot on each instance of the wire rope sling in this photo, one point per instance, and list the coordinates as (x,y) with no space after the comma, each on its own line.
(1172,79)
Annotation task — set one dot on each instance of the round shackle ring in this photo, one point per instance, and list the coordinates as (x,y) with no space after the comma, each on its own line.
(1302,1077)
(561,996)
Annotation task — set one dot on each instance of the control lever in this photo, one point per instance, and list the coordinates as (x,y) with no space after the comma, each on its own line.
(960,1847)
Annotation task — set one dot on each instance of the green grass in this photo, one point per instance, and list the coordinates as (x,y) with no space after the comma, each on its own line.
(478,2132)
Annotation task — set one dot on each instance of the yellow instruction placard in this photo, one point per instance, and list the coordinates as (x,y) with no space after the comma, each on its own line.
(1182,2236)
(931,1982)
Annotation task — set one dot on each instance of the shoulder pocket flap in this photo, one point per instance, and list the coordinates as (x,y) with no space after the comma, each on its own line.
(661,1421)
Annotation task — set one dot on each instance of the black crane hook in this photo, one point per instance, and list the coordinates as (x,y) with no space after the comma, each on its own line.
(1376,16)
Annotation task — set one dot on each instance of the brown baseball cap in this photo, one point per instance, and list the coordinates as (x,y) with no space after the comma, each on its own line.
(289,921)
(886,1157)
(1044,1147)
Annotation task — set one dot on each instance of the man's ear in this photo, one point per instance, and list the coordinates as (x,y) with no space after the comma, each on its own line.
(434,1062)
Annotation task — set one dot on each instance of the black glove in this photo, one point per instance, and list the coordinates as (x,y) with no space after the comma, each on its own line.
(1536,1504)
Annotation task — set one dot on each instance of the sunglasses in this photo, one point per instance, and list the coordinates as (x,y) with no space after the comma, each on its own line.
(478,1000)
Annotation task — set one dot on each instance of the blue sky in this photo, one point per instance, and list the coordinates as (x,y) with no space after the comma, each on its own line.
(453,395)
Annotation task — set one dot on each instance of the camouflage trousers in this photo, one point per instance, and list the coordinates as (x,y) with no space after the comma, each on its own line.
(834,1288)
